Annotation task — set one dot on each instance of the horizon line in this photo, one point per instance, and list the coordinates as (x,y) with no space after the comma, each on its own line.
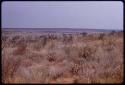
(62,28)
(67,28)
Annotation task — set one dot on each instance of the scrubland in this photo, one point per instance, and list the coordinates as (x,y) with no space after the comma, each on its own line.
(29,57)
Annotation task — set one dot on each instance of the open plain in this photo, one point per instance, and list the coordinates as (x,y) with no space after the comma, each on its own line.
(31,57)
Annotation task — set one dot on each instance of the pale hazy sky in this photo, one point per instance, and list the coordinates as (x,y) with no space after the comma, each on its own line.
(63,14)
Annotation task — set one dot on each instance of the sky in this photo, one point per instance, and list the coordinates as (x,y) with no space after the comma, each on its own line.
(63,14)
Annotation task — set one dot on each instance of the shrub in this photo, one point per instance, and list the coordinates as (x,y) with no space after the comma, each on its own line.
(20,50)
(9,67)
(87,52)
(101,36)
(67,39)
(75,68)
(84,34)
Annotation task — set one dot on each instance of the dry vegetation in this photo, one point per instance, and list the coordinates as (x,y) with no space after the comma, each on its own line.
(62,58)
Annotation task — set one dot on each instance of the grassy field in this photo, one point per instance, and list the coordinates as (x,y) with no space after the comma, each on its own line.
(62,58)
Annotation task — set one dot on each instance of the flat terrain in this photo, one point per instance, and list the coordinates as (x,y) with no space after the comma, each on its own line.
(31,57)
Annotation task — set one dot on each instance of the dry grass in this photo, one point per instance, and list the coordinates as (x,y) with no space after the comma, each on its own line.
(62,58)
